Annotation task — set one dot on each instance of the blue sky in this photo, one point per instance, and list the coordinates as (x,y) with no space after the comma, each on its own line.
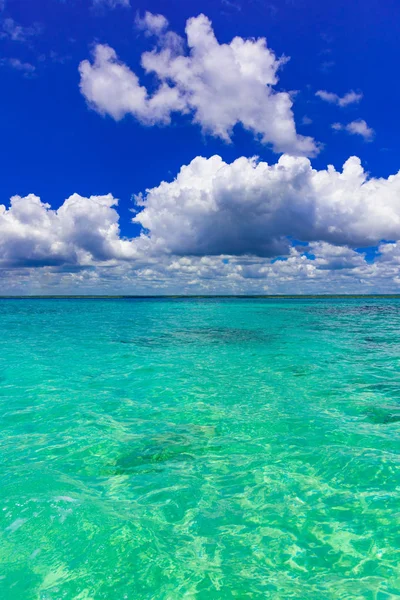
(57,142)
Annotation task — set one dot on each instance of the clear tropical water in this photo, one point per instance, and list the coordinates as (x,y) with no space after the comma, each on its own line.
(199,449)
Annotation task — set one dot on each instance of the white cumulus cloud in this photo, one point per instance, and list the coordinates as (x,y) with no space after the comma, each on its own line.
(251,207)
(81,231)
(217,85)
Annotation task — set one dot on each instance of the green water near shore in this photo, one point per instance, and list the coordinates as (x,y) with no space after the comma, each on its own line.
(200,449)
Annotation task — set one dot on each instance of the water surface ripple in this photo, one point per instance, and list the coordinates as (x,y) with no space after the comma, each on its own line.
(200,449)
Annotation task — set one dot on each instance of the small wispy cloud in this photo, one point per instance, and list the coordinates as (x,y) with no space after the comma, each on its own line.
(358,127)
(151,24)
(17,64)
(57,58)
(349,98)
(327,65)
(18,33)
(231,5)
(112,3)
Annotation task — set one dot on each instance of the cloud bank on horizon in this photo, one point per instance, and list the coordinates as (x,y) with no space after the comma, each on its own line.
(216,227)
(215,217)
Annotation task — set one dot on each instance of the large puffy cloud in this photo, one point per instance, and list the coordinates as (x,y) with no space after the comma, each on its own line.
(250,207)
(218,85)
(81,231)
(110,87)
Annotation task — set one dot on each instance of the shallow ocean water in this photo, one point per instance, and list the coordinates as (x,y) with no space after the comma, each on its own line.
(200,449)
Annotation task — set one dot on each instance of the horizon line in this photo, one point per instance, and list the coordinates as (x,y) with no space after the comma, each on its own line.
(187,296)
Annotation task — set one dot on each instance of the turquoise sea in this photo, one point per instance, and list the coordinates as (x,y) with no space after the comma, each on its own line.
(167,449)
